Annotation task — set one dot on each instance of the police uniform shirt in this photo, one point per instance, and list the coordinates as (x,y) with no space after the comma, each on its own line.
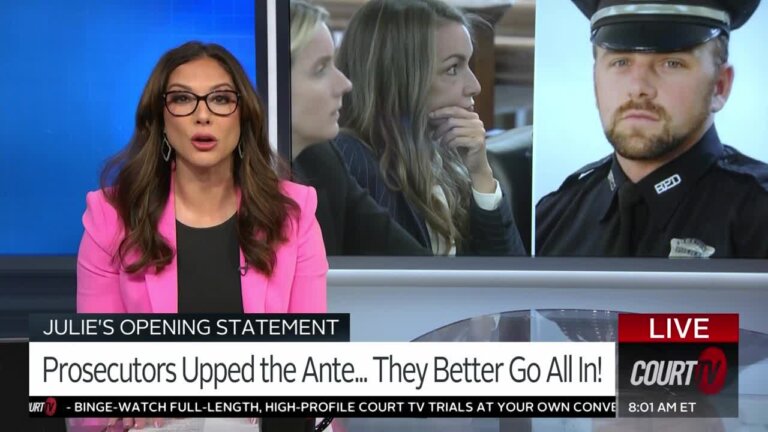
(712,201)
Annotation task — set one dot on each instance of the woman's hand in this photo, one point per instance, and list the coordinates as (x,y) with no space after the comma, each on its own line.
(462,129)
(133,422)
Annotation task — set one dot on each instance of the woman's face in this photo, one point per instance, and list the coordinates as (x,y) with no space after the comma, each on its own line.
(453,83)
(207,137)
(316,91)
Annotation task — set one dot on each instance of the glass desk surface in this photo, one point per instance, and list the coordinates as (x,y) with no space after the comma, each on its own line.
(579,325)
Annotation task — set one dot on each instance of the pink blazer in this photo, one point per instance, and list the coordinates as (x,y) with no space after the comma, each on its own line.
(298,283)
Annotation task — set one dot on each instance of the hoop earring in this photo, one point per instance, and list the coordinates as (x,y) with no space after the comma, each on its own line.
(166,149)
(240,149)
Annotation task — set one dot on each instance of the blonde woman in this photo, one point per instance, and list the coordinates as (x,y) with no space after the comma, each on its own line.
(352,223)
(410,134)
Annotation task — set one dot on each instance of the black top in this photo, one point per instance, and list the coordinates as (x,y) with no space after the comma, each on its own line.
(208,268)
(351,221)
(491,232)
(710,201)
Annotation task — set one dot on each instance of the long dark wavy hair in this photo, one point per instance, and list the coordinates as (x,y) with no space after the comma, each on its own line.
(137,181)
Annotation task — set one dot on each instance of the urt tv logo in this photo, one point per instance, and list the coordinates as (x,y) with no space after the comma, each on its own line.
(47,407)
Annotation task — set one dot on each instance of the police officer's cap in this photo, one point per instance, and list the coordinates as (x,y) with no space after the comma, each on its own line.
(662,25)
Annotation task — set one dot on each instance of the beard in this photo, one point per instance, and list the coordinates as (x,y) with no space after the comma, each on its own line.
(641,144)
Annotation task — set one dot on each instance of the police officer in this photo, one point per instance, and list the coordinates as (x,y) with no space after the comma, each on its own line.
(670,188)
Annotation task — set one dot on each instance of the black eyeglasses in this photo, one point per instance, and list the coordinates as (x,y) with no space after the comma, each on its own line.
(183,103)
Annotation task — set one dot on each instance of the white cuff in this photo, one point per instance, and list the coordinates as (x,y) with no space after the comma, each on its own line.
(488,201)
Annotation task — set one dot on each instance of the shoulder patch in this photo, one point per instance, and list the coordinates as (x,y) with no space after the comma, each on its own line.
(586,171)
(582,173)
(734,161)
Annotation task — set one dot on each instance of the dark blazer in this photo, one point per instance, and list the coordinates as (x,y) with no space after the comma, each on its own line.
(352,223)
(490,232)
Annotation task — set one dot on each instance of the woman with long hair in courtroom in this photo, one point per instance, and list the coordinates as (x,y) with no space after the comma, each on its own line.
(351,221)
(409,131)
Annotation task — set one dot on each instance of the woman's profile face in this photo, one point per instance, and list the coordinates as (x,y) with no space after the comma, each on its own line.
(453,83)
(206,137)
(317,87)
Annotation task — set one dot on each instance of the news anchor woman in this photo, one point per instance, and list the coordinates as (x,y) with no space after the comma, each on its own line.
(409,131)
(191,215)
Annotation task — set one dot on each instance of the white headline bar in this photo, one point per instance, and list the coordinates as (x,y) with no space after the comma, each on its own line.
(322,369)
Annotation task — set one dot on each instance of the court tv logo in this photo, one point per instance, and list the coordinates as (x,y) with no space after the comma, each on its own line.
(707,373)
(47,407)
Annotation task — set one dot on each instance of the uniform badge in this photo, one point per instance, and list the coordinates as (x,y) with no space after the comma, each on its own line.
(667,184)
(690,248)
(611,181)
